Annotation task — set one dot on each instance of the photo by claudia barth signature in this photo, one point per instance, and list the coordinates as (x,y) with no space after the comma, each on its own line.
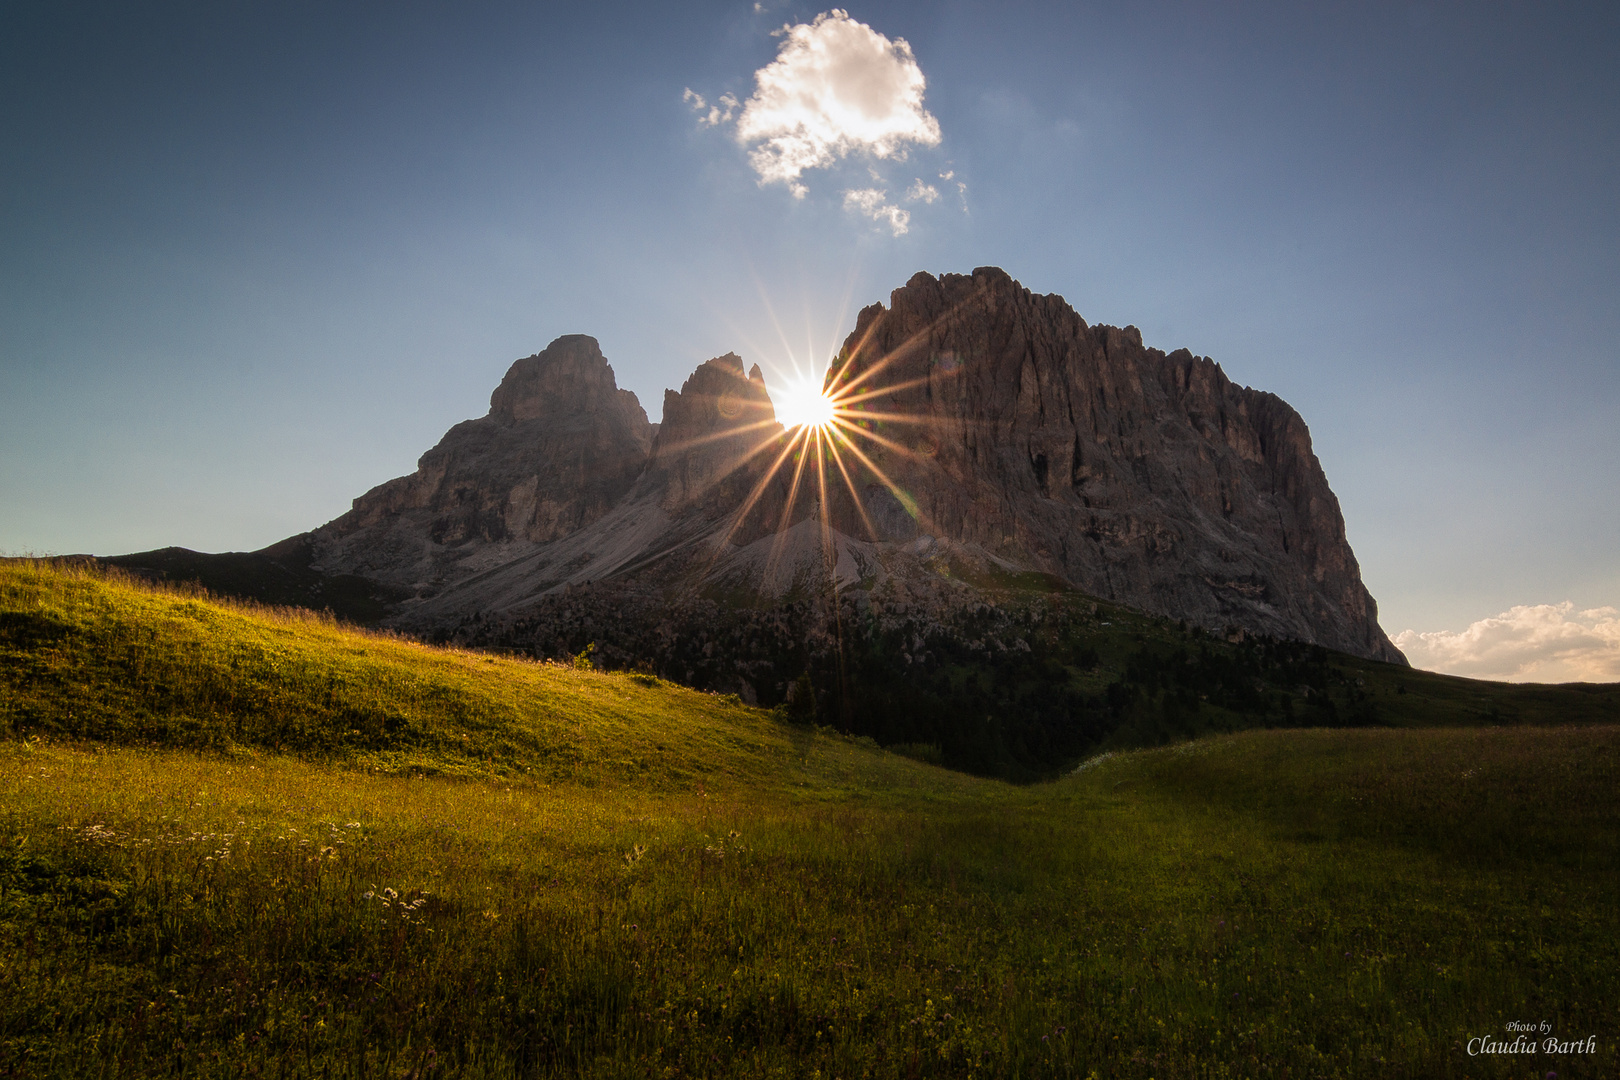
(1530,1038)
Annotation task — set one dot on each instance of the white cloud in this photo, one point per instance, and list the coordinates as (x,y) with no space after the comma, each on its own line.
(920,191)
(710,115)
(1531,643)
(836,87)
(874,203)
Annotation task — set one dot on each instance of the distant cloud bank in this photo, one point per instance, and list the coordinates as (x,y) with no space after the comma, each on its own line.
(836,88)
(1531,643)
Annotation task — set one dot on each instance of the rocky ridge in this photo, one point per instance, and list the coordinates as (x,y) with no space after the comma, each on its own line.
(560,447)
(1004,436)
(1145,478)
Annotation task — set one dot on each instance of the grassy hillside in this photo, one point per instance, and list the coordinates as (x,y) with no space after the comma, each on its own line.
(1022,683)
(84,655)
(279,574)
(516,869)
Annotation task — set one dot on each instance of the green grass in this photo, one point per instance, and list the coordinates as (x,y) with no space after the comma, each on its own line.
(88,656)
(538,871)
(1021,688)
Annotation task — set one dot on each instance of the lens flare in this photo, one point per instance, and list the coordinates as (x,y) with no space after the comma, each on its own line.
(824,424)
(803,405)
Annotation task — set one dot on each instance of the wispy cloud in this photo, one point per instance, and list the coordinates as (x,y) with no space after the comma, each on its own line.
(874,203)
(711,115)
(1531,643)
(837,87)
(921,192)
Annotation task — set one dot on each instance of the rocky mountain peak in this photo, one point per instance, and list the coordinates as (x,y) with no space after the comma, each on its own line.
(718,420)
(1001,432)
(1135,475)
(560,446)
(569,381)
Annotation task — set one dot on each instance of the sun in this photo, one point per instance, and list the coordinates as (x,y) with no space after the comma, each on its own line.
(824,423)
(804,405)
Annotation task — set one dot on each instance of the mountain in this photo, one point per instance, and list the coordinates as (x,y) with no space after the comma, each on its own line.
(1146,478)
(1023,539)
(996,431)
(560,447)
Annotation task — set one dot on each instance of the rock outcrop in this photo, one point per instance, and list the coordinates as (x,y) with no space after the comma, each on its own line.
(560,447)
(1145,478)
(997,432)
(719,424)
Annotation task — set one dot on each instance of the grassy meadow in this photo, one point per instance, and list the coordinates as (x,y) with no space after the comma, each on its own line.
(245,842)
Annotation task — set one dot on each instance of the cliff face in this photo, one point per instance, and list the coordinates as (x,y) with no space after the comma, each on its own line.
(560,446)
(713,436)
(1137,476)
(1002,433)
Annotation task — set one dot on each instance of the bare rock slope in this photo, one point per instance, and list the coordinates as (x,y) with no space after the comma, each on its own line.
(560,447)
(1137,476)
(999,430)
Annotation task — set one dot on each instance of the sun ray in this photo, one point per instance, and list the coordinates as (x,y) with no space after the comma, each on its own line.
(851,354)
(868,395)
(850,416)
(824,421)
(764,444)
(849,482)
(798,474)
(780,541)
(759,488)
(717,436)
(826,513)
(894,354)
(890,357)
(894,489)
(882,440)
(869,373)
(770,312)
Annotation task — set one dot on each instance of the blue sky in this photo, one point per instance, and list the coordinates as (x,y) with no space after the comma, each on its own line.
(256,258)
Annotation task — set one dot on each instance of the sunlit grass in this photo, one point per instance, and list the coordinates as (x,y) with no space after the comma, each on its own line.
(1142,918)
(98,657)
(601,901)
